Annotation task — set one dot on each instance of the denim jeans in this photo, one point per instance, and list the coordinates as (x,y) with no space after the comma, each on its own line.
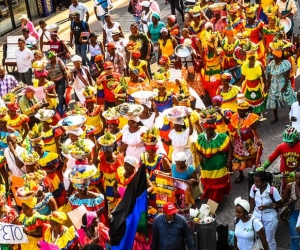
(293,231)
(60,87)
(81,50)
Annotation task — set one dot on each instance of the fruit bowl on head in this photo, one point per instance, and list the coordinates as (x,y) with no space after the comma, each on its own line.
(80,156)
(27,196)
(143,97)
(72,122)
(78,180)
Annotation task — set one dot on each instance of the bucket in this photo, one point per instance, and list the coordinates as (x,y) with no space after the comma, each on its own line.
(206,235)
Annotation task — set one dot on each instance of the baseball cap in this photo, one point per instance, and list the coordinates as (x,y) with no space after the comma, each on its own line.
(108,65)
(169,208)
(116,32)
(111,46)
(29,89)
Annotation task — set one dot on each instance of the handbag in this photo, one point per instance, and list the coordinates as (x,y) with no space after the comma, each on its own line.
(287,209)
(257,245)
(196,191)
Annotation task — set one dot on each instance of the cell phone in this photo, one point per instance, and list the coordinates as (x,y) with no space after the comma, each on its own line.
(109,77)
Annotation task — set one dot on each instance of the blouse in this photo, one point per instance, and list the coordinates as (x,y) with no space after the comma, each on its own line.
(155,32)
(186,175)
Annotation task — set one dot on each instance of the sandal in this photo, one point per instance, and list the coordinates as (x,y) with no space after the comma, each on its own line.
(239,179)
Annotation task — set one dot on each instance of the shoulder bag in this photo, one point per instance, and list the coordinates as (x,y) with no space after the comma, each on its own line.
(196,191)
(288,207)
(257,244)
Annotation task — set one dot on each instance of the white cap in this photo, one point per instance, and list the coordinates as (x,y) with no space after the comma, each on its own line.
(76,58)
(243,203)
(145,3)
(131,160)
(180,156)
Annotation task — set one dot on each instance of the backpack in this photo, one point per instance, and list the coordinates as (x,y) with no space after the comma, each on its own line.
(84,25)
(270,194)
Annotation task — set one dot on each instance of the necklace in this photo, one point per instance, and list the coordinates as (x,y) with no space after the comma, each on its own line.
(53,239)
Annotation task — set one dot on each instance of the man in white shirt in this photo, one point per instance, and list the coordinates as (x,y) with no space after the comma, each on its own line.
(101,8)
(46,36)
(30,41)
(24,56)
(295,113)
(79,8)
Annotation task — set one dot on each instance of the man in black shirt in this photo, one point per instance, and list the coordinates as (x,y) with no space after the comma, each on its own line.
(80,30)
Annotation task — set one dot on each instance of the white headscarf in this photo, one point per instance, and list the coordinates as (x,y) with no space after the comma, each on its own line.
(131,160)
(243,203)
(76,58)
(180,156)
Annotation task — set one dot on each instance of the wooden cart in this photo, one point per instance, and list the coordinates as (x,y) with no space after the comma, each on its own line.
(9,48)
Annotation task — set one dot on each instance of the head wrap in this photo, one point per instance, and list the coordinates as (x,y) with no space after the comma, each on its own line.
(115,121)
(180,156)
(172,18)
(48,86)
(90,216)
(136,54)
(226,76)
(99,58)
(29,89)
(208,24)
(145,4)
(77,132)
(217,99)
(76,58)
(48,160)
(39,143)
(164,30)
(209,125)
(156,15)
(277,53)
(13,106)
(51,54)
(81,186)
(93,99)
(243,203)
(131,160)
(41,73)
(151,147)
(30,203)
(59,217)
(179,191)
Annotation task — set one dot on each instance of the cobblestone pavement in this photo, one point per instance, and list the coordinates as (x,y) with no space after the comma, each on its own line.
(270,134)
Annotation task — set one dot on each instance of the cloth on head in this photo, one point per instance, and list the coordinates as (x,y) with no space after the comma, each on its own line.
(111,46)
(218,99)
(151,147)
(13,106)
(179,191)
(208,25)
(209,125)
(30,203)
(90,216)
(226,76)
(108,65)
(145,4)
(156,15)
(131,160)
(134,118)
(277,53)
(29,89)
(24,16)
(243,203)
(164,30)
(172,18)
(59,217)
(77,132)
(136,54)
(76,58)
(99,58)
(114,121)
(180,156)
(41,73)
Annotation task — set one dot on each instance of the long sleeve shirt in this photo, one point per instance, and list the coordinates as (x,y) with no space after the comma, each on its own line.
(25,105)
(171,236)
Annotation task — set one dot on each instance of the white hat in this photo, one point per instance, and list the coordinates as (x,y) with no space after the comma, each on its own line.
(24,16)
(240,98)
(131,160)
(243,203)
(180,156)
(76,58)
(145,3)
(179,122)
(208,24)
(77,132)
(132,118)
(148,104)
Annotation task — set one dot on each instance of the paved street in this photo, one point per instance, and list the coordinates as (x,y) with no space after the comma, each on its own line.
(271,135)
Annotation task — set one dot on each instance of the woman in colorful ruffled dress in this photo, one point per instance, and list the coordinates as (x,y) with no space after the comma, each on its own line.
(214,149)
(228,93)
(33,224)
(173,26)
(154,161)
(141,65)
(94,232)
(245,140)
(63,237)
(108,163)
(281,94)
(237,22)
(54,181)
(253,81)
(18,122)
(197,25)
(255,28)
(46,203)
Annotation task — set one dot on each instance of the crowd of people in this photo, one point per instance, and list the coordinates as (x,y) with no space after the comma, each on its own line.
(72,125)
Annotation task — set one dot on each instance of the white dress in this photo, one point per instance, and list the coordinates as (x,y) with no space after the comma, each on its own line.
(79,85)
(133,140)
(181,143)
(151,123)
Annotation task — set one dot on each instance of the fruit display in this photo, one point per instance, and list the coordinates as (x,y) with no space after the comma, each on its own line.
(3,111)
(24,192)
(79,109)
(107,139)
(89,91)
(126,109)
(79,147)
(151,136)
(208,115)
(34,177)
(39,65)
(160,77)
(30,158)
(9,97)
(134,46)
(121,88)
(111,114)
(36,132)
(45,114)
(176,112)
(82,172)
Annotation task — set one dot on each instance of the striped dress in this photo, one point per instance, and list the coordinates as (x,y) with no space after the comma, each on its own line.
(214,174)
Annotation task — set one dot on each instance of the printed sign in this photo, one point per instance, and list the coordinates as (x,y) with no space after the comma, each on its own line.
(12,234)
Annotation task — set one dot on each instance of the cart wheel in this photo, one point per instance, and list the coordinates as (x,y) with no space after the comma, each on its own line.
(10,68)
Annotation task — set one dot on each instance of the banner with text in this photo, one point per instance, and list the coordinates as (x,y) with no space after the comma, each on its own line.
(12,234)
